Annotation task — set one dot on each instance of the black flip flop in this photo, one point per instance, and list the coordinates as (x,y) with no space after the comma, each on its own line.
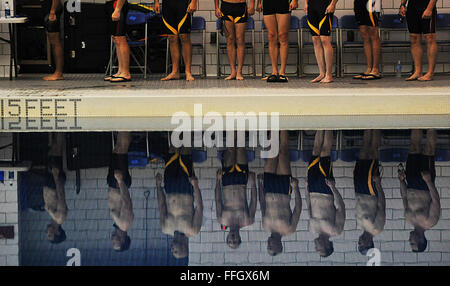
(122,79)
(371,77)
(282,78)
(272,78)
(360,76)
(108,78)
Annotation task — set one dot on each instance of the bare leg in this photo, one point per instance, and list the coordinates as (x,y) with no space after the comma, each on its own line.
(123,56)
(58,54)
(231,48)
(416,140)
(123,142)
(229,158)
(186,49)
(240,40)
(272,35)
(430,145)
(320,58)
(241,156)
(318,142)
(327,143)
(364,31)
(283,21)
(416,52)
(175,55)
(328,52)
(431,55)
(365,150)
(376,50)
(375,144)
(284,164)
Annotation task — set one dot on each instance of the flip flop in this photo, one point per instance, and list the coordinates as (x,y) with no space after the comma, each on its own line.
(282,78)
(360,76)
(371,77)
(272,78)
(121,79)
(108,78)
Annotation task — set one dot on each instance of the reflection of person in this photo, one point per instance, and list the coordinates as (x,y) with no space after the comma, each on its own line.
(368,20)
(421,19)
(177,18)
(54,193)
(116,13)
(325,204)
(277,17)
(320,21)
(53,10)
(420,197)
(370,199)
(180,204)
(232,209)
(119,181)
(275,188)
(234,14)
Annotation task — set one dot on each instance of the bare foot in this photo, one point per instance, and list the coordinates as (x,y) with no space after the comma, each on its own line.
(231,76)
(318,79)
(189,77)
(414,76)
(171,76)
(239,76)
(426,77)
(53,77)
(265,78)
(327,79)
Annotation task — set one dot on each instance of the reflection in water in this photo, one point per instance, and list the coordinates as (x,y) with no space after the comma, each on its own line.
(178,216)
(325,203)
(275,189)
(353,200)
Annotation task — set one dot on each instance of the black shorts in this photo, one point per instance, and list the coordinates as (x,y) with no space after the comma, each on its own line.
(363,173)
(176,19)
(272,7)
(320,24)
(118,162)
(416,24)
(415,164)
(178,170)
(319,169)
(234,12)
(52,26)
(235,175)
(278,184)
(364,13)
(117,28)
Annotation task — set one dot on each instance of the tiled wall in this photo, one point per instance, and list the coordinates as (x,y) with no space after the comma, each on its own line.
(9,215)
(206,10)
(209,248)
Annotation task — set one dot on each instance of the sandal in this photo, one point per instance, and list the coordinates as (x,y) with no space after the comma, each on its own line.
(360,76)
(371,77)
(282,78)
(272,78)
(121,79)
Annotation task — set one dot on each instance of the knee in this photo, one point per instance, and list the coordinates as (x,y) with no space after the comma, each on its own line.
(185,39)
(173,40)
(364,35)
(118,39)
(284,38)
(272,36)
(373,34)
(430,38)
(231,39)
(415,39)
(325,42)
(316,40)
(240,39)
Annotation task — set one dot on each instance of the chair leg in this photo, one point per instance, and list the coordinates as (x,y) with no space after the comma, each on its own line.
(218,54)
(167,55)
(263,62)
